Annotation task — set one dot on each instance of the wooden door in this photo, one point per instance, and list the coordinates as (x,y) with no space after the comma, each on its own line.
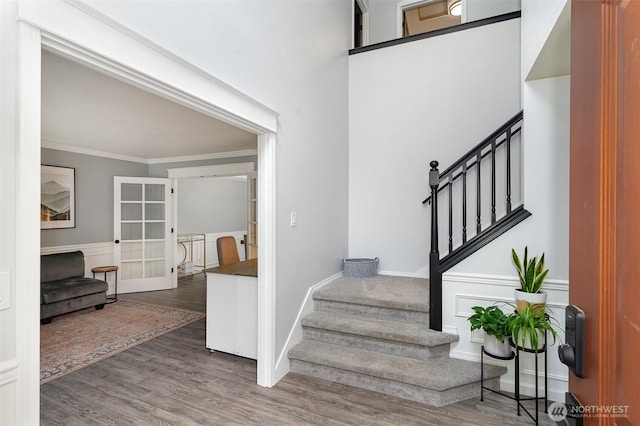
(605,203)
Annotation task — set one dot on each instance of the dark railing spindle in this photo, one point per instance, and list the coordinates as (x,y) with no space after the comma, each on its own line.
(450,213)
(478,196)
(464,203)
(493,182)
(445,181)
(509,170)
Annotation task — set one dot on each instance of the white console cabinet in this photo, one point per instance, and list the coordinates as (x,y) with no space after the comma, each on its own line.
(232,309)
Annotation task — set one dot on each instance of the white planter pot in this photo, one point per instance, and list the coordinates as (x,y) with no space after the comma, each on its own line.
(517,340)
(537,301)
(495,347)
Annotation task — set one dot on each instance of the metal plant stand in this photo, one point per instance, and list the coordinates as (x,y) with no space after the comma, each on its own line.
(518,398)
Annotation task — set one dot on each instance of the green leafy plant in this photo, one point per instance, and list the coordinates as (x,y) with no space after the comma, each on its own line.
(531,271)
(528,323)
(492,320)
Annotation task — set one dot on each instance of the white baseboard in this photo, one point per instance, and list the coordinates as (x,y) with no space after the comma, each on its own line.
(399,274)
(295,334)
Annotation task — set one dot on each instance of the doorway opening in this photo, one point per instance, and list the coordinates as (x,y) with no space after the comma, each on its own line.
(130,58)
(417,17)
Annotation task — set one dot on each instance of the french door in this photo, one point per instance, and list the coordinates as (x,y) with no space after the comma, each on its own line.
(142,233)
(251,240)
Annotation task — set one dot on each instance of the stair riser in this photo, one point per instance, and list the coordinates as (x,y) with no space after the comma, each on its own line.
(390,387)
(378,345)
(373,312)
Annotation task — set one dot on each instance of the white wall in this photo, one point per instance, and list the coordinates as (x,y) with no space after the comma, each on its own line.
(383,17)
(291,56)
(538,19)
(450,93)
(546,186)
(474,10)
(8,155)
(211,205)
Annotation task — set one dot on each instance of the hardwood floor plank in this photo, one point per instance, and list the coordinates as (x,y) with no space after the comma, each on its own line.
(174,380)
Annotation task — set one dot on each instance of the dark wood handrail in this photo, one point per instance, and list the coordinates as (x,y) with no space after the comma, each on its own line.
(435,33)
(479,148)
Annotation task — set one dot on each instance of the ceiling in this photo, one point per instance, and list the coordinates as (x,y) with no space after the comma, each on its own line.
(86,111)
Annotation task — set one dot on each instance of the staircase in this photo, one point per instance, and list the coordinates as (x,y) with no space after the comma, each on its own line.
(373,333)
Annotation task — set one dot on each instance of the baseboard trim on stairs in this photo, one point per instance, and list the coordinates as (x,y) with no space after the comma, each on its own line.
(295,334)
(401,274)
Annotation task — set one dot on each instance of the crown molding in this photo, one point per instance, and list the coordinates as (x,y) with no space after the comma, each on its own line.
(86,151)
(96,153)
(210,156)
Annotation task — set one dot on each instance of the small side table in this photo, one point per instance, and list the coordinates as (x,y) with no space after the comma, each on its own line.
(106,269)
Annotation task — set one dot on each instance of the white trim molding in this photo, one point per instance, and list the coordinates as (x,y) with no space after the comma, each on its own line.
(130,55)
(86,151)
(266,182)
(8,383)
(200,157)
(217,170)
(27,272)
(8,372)
(296,333)
(92,249)
(364,8)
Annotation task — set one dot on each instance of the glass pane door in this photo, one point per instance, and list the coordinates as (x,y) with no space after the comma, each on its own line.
(252,219)
(142,231)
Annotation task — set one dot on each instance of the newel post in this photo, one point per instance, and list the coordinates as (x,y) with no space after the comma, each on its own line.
(435,276)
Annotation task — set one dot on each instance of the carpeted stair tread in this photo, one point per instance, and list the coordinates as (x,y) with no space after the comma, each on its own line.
(435,375)
(414,333)
(382,290)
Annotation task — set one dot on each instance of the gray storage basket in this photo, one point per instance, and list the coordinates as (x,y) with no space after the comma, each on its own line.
(360,268)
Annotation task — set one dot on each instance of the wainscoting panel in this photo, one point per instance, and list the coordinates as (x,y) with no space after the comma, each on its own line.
(95,254)
(8,378)
(461,291)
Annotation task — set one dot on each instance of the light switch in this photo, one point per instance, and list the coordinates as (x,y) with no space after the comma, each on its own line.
(294,220)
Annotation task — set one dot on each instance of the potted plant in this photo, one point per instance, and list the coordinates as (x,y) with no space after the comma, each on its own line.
(527,328)
(532,274)
(496,329)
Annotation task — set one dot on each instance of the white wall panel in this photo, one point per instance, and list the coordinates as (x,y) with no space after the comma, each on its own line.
(461,291)
(432,99)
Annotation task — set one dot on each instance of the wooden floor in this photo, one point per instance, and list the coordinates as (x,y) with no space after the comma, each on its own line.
(173,380)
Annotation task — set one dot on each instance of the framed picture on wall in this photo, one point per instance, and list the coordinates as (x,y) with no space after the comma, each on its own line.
(57,197)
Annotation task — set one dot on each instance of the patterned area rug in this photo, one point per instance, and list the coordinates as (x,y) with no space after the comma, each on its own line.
(75,340)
